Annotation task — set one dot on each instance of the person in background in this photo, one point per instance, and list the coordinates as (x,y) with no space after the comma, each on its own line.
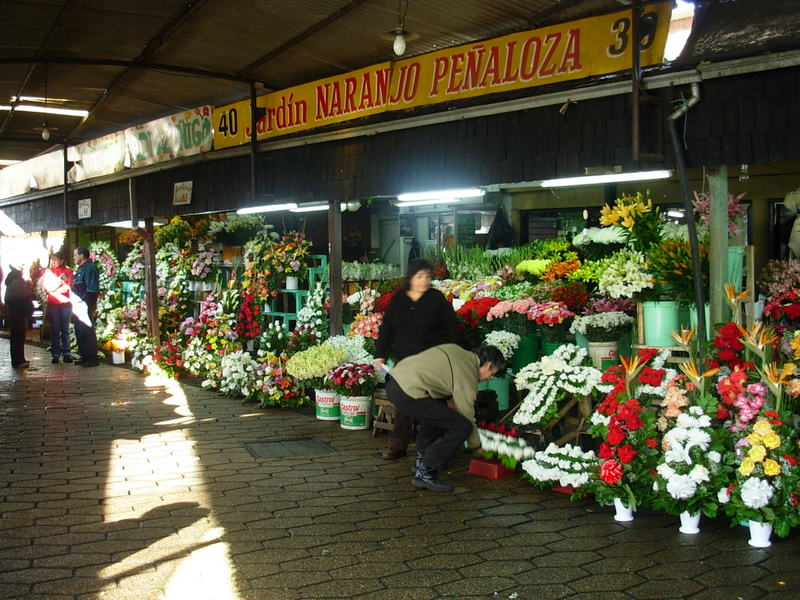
(86,288)
(57,282)
(438,387)
(417,318)
(19,306)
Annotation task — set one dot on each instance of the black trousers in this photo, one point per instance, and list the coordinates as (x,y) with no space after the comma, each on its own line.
(441,429)
(87,340)
(18,324)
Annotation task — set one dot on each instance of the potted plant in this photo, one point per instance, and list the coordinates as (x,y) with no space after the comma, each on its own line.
(602,330)
(355,384)
(512,316)
(310,366)
(289,257)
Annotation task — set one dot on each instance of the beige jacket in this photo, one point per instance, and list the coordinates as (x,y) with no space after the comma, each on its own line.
(443,371)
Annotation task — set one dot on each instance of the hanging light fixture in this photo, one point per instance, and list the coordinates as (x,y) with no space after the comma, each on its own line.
(399,36)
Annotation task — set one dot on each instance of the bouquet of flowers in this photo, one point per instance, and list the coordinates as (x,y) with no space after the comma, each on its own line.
(274,386)
(627,437)
(354,348)
(779,276)
(598,242)
(567,465)
(532,268)
(702,207)
(248,324)
(552,379)
(624,274)
(561,269)
(554,317)
(505,442)
(637,216)
(670,262)
(573,295)
(168,357)
(352,379)
(767,476)
(512,315)
(289,254)
(505,341)
(468,289)
(301,338)
(107,264)
(313,315)
(274,339)
(202,267)
(132,268)
(175,232)
(602,327)
(238,229)
(514,291)
(601,304)
(235,375)
(691,470)
(367,326)
(784,307)
(312,365)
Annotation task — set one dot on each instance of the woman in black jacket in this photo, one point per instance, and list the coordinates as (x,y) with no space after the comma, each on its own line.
(19,306)
(418,317)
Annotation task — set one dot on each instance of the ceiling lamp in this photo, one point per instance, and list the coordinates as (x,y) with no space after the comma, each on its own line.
(427,202)
(266,208)
(309,208)
(610,178)
(399,36)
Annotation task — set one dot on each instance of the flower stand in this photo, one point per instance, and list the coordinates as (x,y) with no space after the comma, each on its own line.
(354,412)
(623,513)
(571,420)
(491,469)
(327,405)
(603,351)
(690,524)
(659,319)
(759,534)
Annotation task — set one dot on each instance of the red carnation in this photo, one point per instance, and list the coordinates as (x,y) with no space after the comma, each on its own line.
(651,442)
(626,453)
(605,451)
(611,472)
(790,459)
(615,435)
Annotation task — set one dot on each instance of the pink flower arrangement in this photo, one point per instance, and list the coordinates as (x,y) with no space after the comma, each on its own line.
(600,304)
(749,403)
(505,307)
(351,379)
(549,313)
(367,325)
(702,206)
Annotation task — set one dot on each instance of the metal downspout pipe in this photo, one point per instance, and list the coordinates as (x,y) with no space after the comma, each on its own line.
(680,163)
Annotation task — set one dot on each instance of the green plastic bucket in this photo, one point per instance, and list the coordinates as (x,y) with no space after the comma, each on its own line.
(354,412)
(660,320)
(549,347)
(527,352)
(327,405)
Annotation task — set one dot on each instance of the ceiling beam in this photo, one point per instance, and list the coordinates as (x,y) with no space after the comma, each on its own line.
(151,66)
(537,18)
(39,52)
(150,48)
(347,8)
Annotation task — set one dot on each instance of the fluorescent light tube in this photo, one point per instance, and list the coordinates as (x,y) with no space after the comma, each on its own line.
(427,202)
(460,193)
(678,214)
(127,224)
(266,208)
(50,110)
(610,178)
(309,208)
(6,162)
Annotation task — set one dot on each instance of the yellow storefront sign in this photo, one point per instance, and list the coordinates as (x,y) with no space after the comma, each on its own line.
(565,52)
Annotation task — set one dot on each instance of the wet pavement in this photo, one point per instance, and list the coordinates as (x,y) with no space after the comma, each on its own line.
(118,486)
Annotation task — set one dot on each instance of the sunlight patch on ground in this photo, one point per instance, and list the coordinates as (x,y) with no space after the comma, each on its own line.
(156,482)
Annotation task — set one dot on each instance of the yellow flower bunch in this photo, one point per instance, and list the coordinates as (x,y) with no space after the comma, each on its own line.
(626,211)
(761,440)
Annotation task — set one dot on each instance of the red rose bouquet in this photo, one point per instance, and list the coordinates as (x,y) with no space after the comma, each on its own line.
(351,379)
(628,446)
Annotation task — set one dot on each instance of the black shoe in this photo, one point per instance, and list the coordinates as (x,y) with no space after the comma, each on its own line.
(90,363)
(79,362)
(426,478)
(55,360)
(67,359)
(417,462)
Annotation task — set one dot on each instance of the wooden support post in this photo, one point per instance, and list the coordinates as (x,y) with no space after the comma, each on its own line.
(335,264)
(150,284)
(718,242)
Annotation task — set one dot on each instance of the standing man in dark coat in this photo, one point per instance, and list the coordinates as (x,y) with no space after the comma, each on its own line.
(86,287)
(19,305)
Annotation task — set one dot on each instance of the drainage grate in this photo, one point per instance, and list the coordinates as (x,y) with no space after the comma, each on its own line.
(288,448)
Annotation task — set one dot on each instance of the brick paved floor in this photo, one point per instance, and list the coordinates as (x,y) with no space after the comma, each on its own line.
(117,486)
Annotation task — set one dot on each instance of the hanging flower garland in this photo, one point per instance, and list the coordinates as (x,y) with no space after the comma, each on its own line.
(107,264)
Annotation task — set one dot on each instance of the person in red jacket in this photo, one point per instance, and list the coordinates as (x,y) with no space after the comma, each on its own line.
(57,281)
